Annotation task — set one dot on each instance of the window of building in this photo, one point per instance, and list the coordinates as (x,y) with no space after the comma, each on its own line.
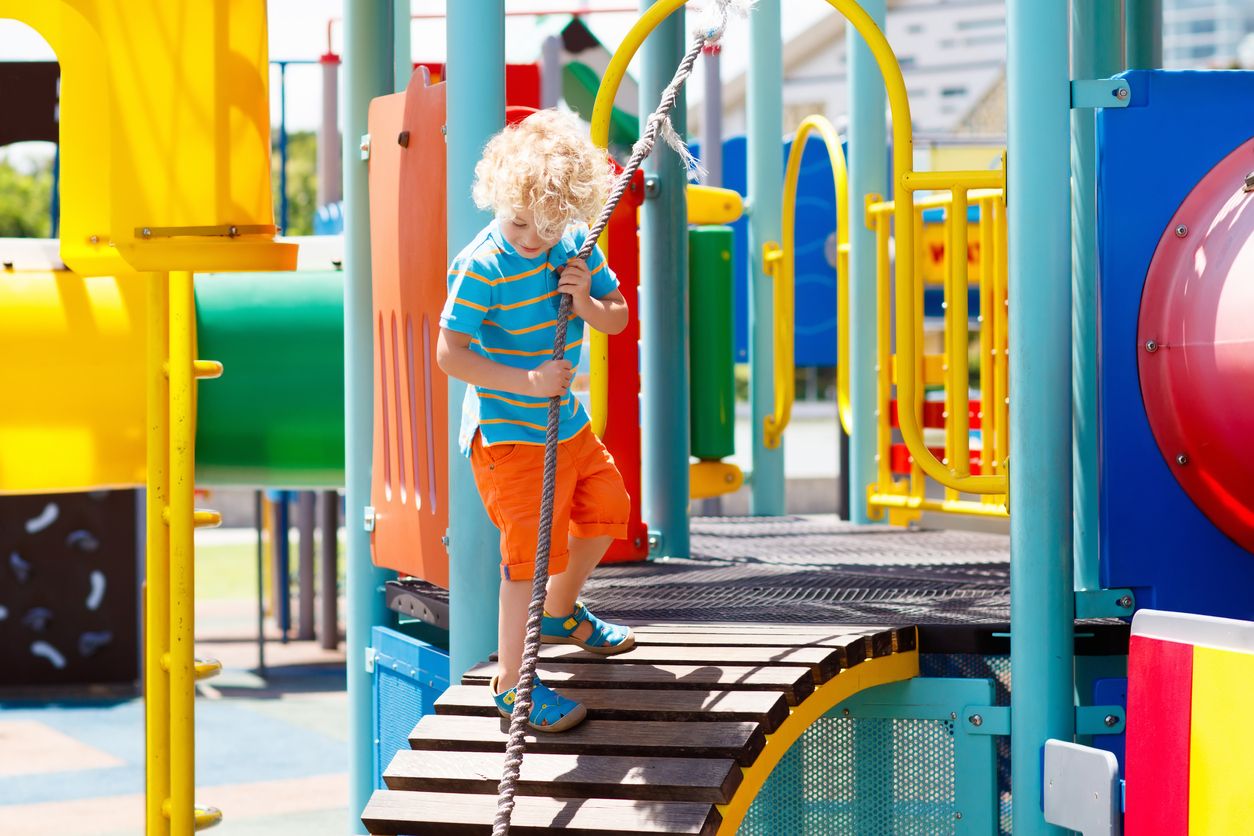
(950,92)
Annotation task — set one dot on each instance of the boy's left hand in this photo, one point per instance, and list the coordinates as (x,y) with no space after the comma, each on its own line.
(576,280)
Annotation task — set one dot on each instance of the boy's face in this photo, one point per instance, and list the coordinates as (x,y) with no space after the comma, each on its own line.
(521,233)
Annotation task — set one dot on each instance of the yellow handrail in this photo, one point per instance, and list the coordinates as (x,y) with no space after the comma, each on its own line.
(840,181)
(776,266)
(909,389)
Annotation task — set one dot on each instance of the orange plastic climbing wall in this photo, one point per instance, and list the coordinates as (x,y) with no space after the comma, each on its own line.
(408,234)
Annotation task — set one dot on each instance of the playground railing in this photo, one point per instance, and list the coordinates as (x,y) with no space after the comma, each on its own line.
(958,414)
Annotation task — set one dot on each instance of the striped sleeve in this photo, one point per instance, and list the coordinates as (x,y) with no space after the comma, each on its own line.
(469,299)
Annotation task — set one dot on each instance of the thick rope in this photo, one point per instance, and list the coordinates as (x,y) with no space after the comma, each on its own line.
(658,123)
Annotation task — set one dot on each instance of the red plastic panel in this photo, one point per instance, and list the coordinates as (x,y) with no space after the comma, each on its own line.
(1160,703)
(622,427)
(934,414)
(899,459)
(522,81)
(408,236)
(1198,310)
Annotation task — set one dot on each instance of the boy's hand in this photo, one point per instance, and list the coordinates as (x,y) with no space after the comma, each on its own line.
(577,281)
(551,379)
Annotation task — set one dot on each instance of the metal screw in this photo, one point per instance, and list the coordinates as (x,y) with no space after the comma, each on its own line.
(651,186)
(976,720)
(147,232)
(1182,231)
(1249,182)
(1110,720)
(233,231)
(95,239)
(844,712)
(953,715)
(1151,346)
(1182,459)
(1121,93)
(636,542)
(958,815)
(1125,602)
(444,540)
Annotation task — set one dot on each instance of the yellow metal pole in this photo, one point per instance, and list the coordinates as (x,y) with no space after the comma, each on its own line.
(157,584)
(948,341)
(182,601)
(911,350)
(883,337)
(1001,384)
(959,366)
(988,423)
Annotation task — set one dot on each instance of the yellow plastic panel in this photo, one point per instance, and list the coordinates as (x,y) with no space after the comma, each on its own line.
(710,205)
(73,382)
(1221,749)
(165,124)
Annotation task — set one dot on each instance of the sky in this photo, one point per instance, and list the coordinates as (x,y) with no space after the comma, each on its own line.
(298,31)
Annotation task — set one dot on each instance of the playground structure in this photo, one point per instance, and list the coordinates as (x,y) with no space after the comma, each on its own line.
(190,218)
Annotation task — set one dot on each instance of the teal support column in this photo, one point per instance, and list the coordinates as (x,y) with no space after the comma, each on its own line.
(1096,52)
(402,60)
(367,74)
(476,111)
(868,174)
(766,198)
(1144,34)
(1042,603)
(664,304)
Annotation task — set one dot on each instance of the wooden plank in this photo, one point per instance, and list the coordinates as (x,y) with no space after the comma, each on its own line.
(823,662)
(767,708)
(741,741)
(795,683)
(853,647)
(713,780)
(462,814)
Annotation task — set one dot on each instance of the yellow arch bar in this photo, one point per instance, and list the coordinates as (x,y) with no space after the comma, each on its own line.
(836,690)
(909,389)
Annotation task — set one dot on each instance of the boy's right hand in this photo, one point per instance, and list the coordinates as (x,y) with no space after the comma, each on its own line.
(551,379)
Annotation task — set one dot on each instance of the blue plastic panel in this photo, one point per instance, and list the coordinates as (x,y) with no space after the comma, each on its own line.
(1150,155)
(409,675)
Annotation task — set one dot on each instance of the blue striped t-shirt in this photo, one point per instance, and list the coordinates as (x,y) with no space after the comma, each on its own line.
(507,304)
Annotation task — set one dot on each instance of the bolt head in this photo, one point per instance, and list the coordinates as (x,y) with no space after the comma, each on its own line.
(1125,602)
(1121,93)
(844,712)
(147,232)
(95,239)
(1182,459)
(976,720)
(1110,720)
(958,815)
(1182,231)
(1151,346)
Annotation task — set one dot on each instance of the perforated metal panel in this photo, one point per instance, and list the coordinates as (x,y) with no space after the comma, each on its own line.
(863,777)
(409,675)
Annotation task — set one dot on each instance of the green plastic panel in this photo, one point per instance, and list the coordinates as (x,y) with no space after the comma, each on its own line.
(276,416)
(712,342)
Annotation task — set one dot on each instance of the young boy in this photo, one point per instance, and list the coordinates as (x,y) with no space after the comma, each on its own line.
(496,331)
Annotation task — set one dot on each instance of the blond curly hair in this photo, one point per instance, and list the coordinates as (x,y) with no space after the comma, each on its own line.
(546,164)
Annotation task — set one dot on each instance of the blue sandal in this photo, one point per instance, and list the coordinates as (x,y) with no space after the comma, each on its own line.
(550,711)
(606,639)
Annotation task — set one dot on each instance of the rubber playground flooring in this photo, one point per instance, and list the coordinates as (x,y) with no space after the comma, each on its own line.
(272,753)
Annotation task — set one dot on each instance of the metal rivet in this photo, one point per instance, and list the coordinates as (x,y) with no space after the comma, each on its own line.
(1111,720)
(958,815)
(1182,459)
(94,239)
(1151,346)
(233,231)
(1121,93)
(844,712)
(976,720)
(147,232)
(1182,231)
(402,139)
(444,540)
(953,715)
(1125,602)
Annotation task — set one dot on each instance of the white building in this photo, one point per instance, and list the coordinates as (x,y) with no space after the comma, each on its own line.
(1205,33)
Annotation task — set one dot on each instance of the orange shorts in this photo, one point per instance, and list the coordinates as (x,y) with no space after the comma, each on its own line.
(590,499)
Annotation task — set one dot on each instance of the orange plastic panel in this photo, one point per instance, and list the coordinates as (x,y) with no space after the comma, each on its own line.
(409,488)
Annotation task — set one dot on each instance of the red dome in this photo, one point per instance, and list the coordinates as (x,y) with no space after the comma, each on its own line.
(1196,345)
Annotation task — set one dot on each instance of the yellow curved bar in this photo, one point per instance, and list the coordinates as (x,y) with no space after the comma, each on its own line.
(783,342)
(840,180)
(909,389)
(894,668)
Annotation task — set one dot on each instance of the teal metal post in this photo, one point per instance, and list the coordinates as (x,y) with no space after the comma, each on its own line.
(868,174)
(402,60)
(1144,34)
(476,111)
(1096,52)
(1042,603)
(664,305)
(367,74)
(766,198)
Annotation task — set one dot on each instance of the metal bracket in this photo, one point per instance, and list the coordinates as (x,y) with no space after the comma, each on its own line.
(368,518)
(1104,603)
(1100,92)
(1081,789)
(984,719)
(655,542)
(1099,719)
(365,146)
(371,655)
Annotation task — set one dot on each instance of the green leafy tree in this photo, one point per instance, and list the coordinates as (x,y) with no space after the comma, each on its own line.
(26,200)
(302,181)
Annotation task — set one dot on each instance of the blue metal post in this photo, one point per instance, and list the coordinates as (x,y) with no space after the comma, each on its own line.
(402,54)
(664,305)
(476,110)
(282,147)
(868,174)
(1096,52)
(367,74)
(766,185)
(1144,34)
(1042,603)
